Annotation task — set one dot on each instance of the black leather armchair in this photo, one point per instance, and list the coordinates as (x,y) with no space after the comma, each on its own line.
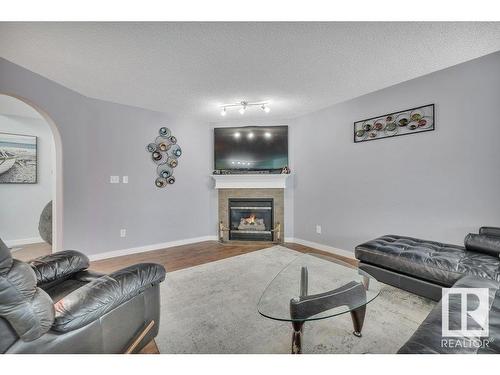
(54,305)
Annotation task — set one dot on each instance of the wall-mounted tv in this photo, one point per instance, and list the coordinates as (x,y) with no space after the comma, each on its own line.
(251,148)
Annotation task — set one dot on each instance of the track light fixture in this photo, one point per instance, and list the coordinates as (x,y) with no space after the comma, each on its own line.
(243,106)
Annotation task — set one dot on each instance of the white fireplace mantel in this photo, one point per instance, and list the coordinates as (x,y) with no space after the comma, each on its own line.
(250,181)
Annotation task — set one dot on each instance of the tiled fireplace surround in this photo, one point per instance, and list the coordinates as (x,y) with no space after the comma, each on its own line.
(276,194)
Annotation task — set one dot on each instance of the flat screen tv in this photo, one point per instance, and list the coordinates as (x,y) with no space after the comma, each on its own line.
(251,148)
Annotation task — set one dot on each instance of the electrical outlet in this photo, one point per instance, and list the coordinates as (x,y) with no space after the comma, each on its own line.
(114,179)
(125,179)
(123,233)
(318,229)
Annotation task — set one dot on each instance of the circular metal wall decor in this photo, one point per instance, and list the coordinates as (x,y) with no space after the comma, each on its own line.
(165,153)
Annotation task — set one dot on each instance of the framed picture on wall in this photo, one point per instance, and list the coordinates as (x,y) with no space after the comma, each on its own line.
(18,159)
(409,121)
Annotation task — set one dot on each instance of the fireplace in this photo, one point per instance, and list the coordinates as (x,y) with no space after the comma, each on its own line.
(270,210)
(251,219)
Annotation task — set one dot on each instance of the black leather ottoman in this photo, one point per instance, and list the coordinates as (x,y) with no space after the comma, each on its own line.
(423,267)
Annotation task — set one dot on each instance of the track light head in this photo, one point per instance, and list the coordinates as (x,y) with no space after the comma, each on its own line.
(265,108)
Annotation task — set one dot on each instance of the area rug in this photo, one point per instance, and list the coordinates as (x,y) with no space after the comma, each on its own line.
(212,308)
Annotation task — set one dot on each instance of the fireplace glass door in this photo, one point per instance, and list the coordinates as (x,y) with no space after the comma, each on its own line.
(251,219)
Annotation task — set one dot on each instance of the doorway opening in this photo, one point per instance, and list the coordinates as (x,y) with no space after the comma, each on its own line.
(30,178)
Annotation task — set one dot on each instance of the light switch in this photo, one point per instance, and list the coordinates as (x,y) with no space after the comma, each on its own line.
(125,179)
(114,179)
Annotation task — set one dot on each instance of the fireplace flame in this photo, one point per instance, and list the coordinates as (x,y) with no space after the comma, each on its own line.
(251,223)
(250,219)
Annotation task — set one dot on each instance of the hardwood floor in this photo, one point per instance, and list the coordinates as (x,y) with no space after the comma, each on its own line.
(28,252)
(178,257)
(150,348)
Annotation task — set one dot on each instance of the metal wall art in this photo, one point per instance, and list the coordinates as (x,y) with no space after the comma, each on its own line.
(165,153)
(415,120)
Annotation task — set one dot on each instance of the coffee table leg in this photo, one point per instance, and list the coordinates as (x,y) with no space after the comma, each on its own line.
(298,328)
(358,318)
(366,282)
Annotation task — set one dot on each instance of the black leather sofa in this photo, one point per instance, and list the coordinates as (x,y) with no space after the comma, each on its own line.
(428,338)
(53,304)
(425,267)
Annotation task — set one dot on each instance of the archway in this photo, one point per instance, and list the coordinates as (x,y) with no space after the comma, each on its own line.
(57,175)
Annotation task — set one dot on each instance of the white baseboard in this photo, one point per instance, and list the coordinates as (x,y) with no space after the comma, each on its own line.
(23,241)
(319,246)
(157,246)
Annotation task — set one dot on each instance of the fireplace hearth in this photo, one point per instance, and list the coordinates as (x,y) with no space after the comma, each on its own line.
(251,219)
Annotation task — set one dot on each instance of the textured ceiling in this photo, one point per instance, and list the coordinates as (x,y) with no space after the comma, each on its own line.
(191,68)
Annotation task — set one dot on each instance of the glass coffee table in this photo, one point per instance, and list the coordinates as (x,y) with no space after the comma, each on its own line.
(315,287)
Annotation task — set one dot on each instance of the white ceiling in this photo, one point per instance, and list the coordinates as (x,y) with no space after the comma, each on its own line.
(191,68)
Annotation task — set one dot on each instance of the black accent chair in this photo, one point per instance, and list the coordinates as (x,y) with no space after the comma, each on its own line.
(425,267)
(54,305)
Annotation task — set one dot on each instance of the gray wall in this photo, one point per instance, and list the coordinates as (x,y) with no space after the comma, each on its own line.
(22,204)
(437,185)
(100,139)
